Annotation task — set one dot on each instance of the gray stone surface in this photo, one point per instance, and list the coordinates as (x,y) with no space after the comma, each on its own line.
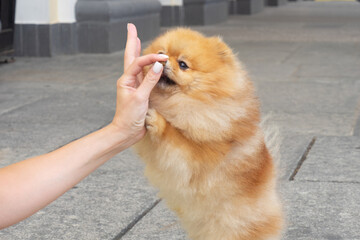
(324,211)
(315,123)
(160,223)
(97,208)
(30,46)
(304,23)
(66,41)
(102,24)
(313,211)
(292,149)
(296,97)
(344,71)
(275,3)
(172,16)
(357,126)
(316,53)
(246,7)
(303,58)
(205,12)
(332,159)
(45,40)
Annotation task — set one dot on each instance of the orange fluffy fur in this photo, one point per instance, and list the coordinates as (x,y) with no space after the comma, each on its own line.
(204,148)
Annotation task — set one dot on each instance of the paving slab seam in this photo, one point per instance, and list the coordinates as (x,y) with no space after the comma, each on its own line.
(295,75)
(329,181)
(136,220)
(356,126)
(302,159)
(13,109)
(291,54)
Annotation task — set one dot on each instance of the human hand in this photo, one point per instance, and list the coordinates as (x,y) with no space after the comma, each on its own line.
(133,90)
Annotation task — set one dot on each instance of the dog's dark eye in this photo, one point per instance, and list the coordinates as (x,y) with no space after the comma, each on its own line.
(183,65)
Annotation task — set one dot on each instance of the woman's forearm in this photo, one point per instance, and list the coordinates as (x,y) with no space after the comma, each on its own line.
(27,186)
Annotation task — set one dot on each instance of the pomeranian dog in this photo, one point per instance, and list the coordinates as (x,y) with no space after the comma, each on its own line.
(204,149)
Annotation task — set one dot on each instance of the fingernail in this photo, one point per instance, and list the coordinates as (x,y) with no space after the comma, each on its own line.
(157,67)
(163,55)
(127,26)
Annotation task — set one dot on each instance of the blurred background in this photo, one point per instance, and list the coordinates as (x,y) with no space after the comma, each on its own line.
(55,27)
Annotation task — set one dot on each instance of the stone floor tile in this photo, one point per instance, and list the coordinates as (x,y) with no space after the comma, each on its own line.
(332,159)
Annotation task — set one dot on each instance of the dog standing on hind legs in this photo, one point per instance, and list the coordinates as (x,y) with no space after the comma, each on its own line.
(204,149)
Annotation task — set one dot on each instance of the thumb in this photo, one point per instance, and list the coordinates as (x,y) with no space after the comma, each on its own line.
(150,80)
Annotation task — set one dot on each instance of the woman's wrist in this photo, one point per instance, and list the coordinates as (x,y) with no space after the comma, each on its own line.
(123,136)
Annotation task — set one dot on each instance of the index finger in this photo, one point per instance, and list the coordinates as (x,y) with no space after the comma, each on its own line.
(150,80)
(136,67)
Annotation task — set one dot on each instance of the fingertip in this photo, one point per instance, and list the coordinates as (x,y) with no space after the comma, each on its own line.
(157,68)
(131,28)
(164,56)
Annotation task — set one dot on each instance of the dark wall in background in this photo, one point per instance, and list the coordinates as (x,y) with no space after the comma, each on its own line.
(7,16)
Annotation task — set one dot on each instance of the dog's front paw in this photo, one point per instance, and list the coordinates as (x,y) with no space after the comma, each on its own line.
(155,123)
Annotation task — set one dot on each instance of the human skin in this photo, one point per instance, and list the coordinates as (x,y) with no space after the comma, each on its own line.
(31,184)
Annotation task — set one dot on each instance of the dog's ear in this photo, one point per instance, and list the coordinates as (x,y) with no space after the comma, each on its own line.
(222,49)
